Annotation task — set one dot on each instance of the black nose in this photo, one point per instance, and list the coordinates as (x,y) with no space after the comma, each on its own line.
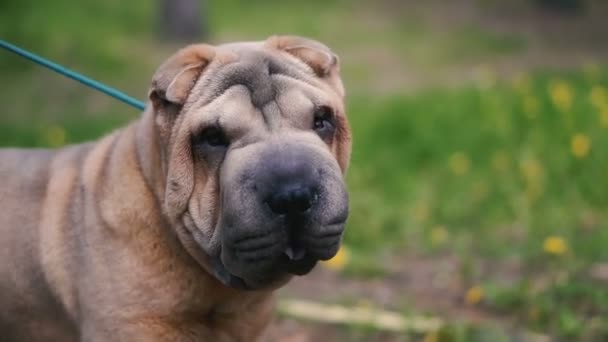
(291,200)
(288,181)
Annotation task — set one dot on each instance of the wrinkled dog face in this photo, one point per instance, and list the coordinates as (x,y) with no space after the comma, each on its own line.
(255,144)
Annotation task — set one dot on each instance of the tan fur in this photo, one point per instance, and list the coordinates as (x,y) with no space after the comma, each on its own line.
(109,241)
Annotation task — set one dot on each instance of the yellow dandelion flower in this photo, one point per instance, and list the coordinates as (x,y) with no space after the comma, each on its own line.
(534,189)
(432,336)
(439,235)
(555,245)
(339,261)
(580,145)
(530,106)
(604,117)
(599,97)
(480,190)
(534,313)
(421,212)
(561,95)
(531,169)
(474,295)
(55,136)
(532,172)
(521,83)
(501,161)
(459,163)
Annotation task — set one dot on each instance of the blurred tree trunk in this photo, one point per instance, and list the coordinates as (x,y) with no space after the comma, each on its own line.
(183,20)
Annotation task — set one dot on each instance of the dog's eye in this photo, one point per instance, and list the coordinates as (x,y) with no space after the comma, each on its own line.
(324,120)
(213,136)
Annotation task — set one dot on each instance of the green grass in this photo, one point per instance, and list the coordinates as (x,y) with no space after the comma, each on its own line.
(499,180)
(517,169)
(482,171)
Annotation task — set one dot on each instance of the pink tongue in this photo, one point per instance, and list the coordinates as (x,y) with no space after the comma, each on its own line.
(296,254)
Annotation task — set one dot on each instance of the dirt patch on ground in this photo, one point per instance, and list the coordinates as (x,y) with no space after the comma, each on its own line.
(420,285)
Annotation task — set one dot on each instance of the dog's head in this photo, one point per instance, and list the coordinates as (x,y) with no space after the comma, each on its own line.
(254,142)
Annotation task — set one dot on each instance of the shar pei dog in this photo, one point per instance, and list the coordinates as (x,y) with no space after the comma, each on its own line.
(181,225)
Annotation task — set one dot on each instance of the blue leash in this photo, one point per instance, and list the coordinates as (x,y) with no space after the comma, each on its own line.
(74,75)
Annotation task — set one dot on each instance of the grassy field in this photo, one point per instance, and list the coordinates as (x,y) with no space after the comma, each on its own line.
(510,173)
(503,172)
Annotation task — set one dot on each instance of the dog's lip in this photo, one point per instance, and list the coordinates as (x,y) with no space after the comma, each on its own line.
(338,220)
(227,278)
(295,253)
(299,267)
(299,264)
(297,261)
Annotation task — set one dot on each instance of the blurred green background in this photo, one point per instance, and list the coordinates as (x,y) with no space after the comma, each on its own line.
(480,145)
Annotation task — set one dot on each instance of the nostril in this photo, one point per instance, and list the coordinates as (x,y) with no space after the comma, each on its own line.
(301,200)
(278,203)
(292,201)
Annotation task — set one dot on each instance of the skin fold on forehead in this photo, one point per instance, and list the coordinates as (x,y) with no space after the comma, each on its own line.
(256,68)
(258,85)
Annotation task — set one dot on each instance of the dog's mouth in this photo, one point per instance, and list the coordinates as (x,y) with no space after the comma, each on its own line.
(265,267)
(266,254)
(294,253)
(294,261)
(265,260)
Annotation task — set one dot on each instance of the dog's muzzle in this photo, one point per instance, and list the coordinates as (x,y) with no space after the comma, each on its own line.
(286,212)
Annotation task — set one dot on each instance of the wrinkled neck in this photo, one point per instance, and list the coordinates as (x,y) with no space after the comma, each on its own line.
(150,156)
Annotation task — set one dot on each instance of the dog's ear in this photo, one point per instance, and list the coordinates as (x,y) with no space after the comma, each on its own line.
(175,78)
(316,55)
